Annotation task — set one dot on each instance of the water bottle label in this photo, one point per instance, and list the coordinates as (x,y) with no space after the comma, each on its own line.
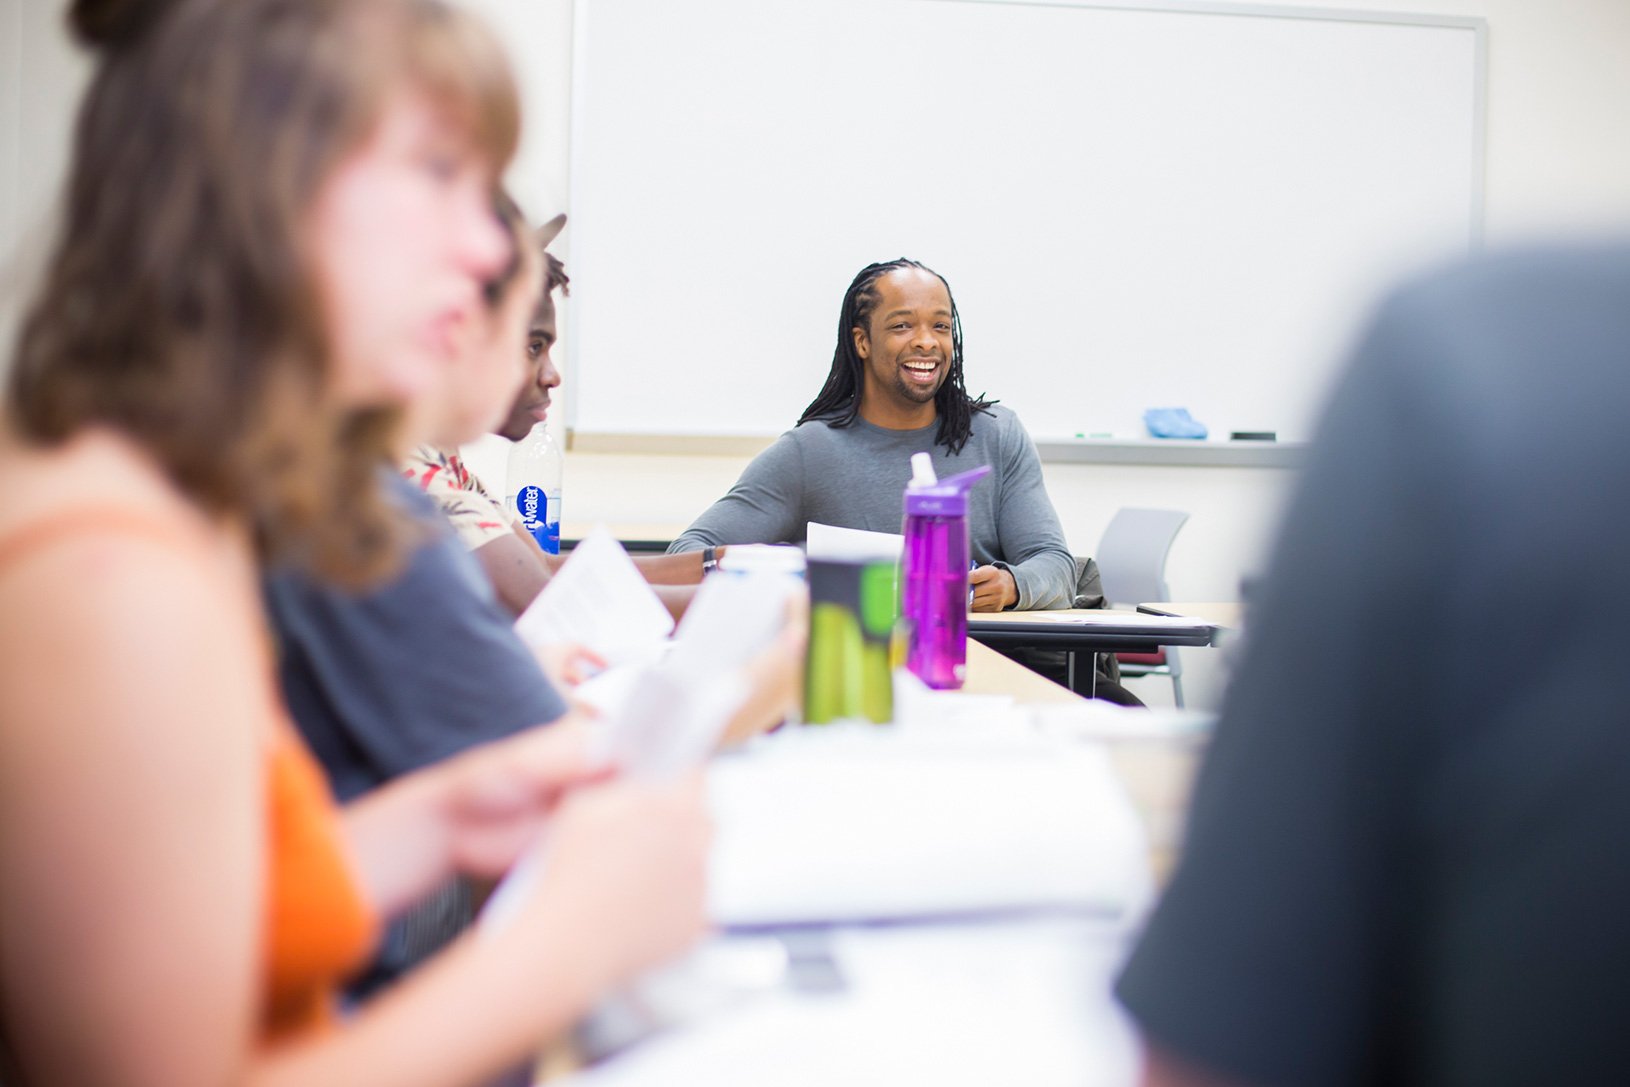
(532,506)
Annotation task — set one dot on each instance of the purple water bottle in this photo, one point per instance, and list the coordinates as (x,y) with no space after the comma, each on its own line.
(934,578)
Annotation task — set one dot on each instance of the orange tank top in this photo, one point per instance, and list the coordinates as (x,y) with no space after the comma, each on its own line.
(318,927)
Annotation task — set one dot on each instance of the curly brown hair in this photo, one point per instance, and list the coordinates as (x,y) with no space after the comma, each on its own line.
(178,307)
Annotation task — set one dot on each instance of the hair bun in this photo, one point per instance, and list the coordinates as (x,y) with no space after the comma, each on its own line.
(113,24)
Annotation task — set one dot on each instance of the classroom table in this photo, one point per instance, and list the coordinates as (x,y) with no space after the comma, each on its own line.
(1095,629)
(991,673)
(1088,630)
(1220,615)
(641,537)
(1156,771)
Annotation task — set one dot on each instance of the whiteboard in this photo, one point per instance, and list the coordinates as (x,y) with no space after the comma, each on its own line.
(1134,207)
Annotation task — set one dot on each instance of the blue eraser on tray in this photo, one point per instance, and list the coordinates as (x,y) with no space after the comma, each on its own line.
(1173,423)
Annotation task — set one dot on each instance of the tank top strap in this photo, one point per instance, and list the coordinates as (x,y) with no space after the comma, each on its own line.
(31,537)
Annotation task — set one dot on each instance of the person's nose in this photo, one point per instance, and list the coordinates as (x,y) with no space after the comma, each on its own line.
(923,341)
(548,376)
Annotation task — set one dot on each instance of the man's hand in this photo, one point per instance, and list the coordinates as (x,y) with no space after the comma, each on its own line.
(993,589)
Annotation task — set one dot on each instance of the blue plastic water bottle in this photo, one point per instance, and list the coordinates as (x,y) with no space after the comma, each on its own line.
(532,486)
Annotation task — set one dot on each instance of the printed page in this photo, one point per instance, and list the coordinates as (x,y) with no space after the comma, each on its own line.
(671,719)
(598,600)
(668,716)
(667,720)
(829,543)
(733,618)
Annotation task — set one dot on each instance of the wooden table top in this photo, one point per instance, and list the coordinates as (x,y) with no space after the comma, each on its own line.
(1158,775)
(991,673)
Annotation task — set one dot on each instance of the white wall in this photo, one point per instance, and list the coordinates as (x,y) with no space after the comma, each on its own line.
(1196,160)
(1558,163)
(41,75)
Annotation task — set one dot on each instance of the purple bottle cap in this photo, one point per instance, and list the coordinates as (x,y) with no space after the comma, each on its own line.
(947,498)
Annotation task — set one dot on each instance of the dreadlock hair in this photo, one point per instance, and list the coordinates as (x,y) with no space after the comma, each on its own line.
(838,403)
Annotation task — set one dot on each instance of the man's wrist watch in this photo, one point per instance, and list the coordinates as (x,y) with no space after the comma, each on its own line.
(710,560)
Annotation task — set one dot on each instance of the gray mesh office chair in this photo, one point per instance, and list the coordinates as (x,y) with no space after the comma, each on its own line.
(1132,562)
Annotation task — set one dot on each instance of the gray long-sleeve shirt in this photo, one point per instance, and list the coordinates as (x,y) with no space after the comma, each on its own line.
(854,477)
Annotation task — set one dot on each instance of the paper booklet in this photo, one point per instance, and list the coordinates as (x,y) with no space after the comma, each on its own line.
(833,544)
(663,716)
(663,705)
(599,600)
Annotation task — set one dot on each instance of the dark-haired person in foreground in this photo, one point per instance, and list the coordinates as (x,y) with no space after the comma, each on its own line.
(408,673)
(428,664)
(1426,881)
(896,388)
(514,563)
(384,681)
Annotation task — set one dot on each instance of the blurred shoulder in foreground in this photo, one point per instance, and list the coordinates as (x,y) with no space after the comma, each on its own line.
(1407,857)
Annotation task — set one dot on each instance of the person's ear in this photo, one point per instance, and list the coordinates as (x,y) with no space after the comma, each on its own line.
(549,231)
(863,343)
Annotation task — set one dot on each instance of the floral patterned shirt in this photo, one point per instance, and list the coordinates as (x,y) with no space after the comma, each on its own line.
(477,517)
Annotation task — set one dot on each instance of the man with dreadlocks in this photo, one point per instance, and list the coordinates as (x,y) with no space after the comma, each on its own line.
(895,389)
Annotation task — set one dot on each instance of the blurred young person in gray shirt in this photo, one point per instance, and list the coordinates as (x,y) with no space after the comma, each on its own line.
(1426,880)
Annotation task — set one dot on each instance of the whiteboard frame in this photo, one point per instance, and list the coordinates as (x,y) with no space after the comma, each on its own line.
(607,442)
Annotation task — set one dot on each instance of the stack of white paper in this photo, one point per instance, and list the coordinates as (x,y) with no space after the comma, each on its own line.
(884,824)
(1026,1003)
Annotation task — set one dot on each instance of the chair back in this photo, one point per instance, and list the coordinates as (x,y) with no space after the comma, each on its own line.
(1132,554)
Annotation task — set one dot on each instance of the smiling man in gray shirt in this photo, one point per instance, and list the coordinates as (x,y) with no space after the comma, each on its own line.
(895,389)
